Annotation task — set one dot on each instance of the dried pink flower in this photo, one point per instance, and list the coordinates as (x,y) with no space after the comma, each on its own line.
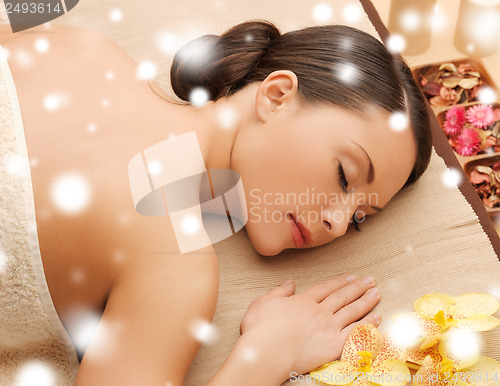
(497,114)
(468,142)
(481,116)
(491,141)
(477,177)
(455,119)
(487,202)
(483,190)
(465,67)
(474,91)
(446,97)
(448,94)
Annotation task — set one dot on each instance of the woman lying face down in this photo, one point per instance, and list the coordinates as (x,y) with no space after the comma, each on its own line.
(325,127)
(328,126)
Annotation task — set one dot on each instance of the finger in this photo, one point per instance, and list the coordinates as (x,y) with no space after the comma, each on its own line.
(348,294)
(321,290)
(359,308)
(287,288)
(372,318)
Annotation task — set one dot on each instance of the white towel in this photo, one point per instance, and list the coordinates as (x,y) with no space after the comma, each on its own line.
(33,341)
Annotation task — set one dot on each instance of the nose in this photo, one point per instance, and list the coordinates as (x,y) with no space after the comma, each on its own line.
(335,220)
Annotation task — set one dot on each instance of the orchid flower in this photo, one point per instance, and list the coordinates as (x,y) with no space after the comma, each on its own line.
(471,311)
(367,359)
(449,371)
(436,314)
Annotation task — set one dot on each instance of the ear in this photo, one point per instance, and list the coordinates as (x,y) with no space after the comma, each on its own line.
(276,92)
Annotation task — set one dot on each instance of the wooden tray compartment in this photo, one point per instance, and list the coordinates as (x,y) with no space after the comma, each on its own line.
(483,160)
(428,69)
(465,159)
(470,162)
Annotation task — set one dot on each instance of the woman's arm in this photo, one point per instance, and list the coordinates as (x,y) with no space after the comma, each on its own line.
(286,334)
(144,336)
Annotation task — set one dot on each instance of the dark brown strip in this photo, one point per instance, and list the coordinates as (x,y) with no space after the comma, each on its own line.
(375,19)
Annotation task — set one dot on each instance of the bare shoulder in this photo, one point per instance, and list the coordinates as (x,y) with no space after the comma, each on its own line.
(50,30)
(76,51)
(62,38)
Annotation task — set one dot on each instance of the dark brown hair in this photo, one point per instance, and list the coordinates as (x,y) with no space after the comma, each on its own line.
(250,51)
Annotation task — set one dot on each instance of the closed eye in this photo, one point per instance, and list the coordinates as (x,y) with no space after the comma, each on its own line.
(356,221)
(342,180)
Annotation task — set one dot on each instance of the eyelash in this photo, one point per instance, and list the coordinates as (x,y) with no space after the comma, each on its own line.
(356,222)
(342,180)
(344,185)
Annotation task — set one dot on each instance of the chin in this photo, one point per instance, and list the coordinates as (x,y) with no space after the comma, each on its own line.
(264,247)
(268,251)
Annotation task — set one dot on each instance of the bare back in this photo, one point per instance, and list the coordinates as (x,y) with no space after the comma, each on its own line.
(104,116)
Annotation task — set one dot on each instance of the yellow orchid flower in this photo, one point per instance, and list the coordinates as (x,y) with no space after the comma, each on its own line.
(460,348)
(471,311)
(439,314)
(484,372)
(459,344)
(456,362)
(367,359)
(414,332)
(415,357)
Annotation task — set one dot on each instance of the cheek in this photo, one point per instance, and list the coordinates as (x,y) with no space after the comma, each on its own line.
(284,157)
(274,164)
(264,238)
(266,228)
(290,175)
(289,171)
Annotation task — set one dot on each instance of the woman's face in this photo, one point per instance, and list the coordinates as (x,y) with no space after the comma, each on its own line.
(293,161)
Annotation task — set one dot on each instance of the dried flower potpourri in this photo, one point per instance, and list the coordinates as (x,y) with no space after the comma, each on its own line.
(486,181)
(462,94)
(473,129)
(450,85)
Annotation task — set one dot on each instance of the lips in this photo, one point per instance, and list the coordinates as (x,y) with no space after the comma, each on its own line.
(301,235)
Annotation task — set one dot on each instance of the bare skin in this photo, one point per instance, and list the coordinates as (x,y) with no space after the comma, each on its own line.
(110,259)
(114,248)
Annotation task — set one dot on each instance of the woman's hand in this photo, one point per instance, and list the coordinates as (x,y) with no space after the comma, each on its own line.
(306,330)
